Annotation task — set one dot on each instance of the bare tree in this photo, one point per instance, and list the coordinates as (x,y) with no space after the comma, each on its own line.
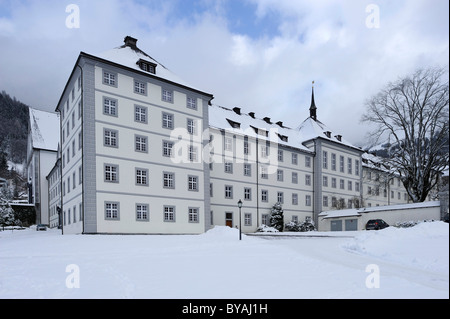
(411,115)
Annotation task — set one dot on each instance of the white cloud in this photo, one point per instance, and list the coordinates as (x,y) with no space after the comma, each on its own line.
(325,41)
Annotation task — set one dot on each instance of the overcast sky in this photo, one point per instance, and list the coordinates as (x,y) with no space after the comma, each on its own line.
(261,55)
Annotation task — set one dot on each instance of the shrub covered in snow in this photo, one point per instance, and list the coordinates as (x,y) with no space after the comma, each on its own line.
(410,223)
(300,227)
(266,229)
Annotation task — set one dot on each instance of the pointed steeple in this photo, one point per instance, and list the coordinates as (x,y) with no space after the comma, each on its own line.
(313,108)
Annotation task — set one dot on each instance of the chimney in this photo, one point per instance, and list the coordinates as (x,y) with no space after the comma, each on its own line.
(130,42)
(237,110)
(267,120)
(252,114)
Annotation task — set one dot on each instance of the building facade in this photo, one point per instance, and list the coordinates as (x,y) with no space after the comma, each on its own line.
(143,152)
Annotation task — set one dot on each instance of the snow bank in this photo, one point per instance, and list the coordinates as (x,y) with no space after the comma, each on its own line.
(425,245)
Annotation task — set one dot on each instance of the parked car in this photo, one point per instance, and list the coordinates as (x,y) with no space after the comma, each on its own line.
(376,224)
(41,227)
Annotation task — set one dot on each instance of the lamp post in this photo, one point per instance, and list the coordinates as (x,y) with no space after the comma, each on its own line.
(240,220)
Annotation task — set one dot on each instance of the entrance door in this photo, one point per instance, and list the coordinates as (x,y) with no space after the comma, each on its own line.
(229,219)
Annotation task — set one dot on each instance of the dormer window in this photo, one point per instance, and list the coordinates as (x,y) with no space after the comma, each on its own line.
(284,138)
(260,131)
(147,66)
(327,133)
(234,124)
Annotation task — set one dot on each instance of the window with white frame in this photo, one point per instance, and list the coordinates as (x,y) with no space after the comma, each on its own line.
(167,121)
(193,215)
(247,169)
(325,181)
(140,87)
(264,173)
(247,193)
(264,195)
(229,167)
(140,114)
(141,176)
(228,191)
(294,159)
(191,103)
(167,95)
(228,144)
(246,148)
(308,180)
(294,178)
(280,156)
(333,161)
(112,210)
(111,173)
(247,219)
(280,175)
(169,213)
(294,199)
(325,159)
(308,200)
(169,180)
(142,213)
(110,138)
(109,106)
(140,144)
(341,164)
(167,148)
(349,166)
(109,78)
(191,127)
(193,183)
(192,153)
(280,197)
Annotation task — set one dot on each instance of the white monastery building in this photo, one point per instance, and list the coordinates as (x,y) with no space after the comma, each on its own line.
(143,152)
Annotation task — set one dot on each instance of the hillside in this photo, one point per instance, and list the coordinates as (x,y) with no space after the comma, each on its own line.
(13,128)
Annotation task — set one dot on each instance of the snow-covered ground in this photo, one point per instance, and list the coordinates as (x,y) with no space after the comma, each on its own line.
(391,263)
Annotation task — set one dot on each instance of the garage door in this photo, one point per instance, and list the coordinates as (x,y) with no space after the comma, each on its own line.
(351,224)
(336,225)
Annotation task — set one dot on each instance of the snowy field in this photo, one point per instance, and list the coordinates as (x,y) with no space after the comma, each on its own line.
(391,263)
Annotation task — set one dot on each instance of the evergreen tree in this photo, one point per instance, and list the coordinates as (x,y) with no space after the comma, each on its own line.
(276,217)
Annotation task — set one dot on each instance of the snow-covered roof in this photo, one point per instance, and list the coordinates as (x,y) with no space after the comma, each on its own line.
(233,120)
(129,55)
(340,213)
(311,129)
(357,212)
(44,128)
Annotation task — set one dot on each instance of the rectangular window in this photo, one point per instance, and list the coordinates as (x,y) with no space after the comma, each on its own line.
(110,78)
(167,149)
(246,148)
(325,181)
(193,183)
(325,160)
(191,127)
(228,191)
(140,144)
(169,213)
(357,186)
(308,180)
(294,178)
(109,106)
(247,193)
(167,95)
(110,138)
(264,174)
(74,180)
(73,119)
(349,166)
(350,185)
(228,167)
(111,173)
(357,168)
(167,121)
(247,219)
(140,87)
(341,164)
(80,175)
(325,201)
(265,219)
(294,199)
(294,159)
(280,197)
(308,200)
(112,210)
(73,148)
(307,161)
(333,161)
(169,180)
(280,175)
(142,212)
(264,195)
(192,154)
(341,184)
(141,176)
(228,144)
(193,215)
(280,155)
(247,169)
(191,103)
(140,114)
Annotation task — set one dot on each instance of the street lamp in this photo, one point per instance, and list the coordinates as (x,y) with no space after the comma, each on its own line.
(240,220)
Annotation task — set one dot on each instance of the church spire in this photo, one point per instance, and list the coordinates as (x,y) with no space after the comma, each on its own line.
(313,108)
